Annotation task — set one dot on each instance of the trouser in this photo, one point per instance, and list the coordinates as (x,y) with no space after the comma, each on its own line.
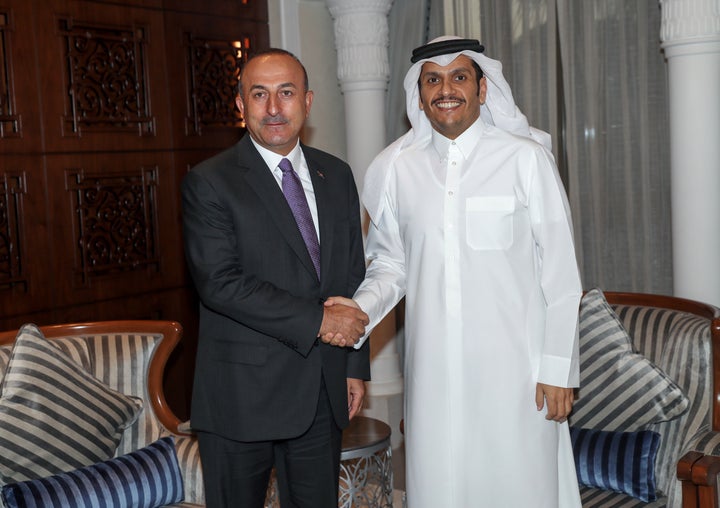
(236,473)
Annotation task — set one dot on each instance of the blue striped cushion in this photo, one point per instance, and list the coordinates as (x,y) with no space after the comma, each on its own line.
(618,461)
(145,478)
(620,390)
(54,416)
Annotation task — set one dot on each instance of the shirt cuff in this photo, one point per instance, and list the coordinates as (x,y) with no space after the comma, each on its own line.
(556,371)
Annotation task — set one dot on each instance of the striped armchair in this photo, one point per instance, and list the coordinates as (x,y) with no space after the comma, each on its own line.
(681,337)
(130,356)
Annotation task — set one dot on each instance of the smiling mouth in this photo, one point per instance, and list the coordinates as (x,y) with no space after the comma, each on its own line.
(447,103)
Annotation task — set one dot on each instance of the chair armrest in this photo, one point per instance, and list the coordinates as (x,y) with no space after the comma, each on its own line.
(684,474)
(705,441)
(705,475)
(698,471)
(188,455)
(184,429)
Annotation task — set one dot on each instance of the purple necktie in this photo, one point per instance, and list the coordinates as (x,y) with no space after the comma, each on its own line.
(295,195)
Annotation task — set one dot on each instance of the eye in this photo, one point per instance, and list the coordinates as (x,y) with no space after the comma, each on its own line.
(432,79)
(259,94)
(286,93)
(460,77)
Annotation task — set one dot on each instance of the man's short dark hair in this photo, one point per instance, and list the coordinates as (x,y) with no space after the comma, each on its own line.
(273,51)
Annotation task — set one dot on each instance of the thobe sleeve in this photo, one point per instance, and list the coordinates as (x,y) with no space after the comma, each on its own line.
(559,276)
(384,284)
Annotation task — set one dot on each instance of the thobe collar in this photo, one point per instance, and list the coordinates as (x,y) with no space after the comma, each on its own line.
(465,142)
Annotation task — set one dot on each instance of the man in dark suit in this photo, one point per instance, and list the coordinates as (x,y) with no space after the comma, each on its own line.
(267,390)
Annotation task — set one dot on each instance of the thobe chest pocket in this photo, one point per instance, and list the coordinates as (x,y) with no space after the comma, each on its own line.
(489,222)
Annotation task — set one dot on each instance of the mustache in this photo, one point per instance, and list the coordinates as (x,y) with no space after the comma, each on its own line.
(447,98)
(274,119)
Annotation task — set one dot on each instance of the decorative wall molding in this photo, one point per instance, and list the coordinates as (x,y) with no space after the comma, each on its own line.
(689,19)
(12,262)
(107,83)
(361,39)
(115,221)
(213,72)
(9,119)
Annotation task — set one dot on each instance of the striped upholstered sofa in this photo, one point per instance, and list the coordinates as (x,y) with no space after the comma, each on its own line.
(682,339)
(129,357)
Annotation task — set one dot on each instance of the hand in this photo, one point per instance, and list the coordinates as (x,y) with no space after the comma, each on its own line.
(559,401)
(334,300)
(356,393)
(336,338)
(342,325)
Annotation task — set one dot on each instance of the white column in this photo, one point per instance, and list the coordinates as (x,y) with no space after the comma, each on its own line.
(361,40)
(690,35)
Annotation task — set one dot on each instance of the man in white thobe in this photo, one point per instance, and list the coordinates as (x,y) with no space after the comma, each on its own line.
(470,222)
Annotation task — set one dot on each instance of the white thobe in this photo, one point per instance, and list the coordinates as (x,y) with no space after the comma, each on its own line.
(476,234)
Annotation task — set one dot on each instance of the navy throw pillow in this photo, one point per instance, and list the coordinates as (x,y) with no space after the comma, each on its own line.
(146,478)
(618,461)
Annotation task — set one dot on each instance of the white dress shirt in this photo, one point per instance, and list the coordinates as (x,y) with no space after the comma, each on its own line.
(299,164)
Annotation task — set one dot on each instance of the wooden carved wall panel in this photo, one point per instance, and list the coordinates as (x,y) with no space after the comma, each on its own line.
(116,222)
(9,119)
(246,10)
(12,188)
(213,70)
(104,105)
(106,79)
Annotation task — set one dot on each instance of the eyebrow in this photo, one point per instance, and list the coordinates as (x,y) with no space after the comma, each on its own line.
(452,72)
(289,84)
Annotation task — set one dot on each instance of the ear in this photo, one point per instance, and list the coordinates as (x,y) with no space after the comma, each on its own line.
(483,90)
(240,105)
(308,102)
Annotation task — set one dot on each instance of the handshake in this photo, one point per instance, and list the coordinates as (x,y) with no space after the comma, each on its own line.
(343,322)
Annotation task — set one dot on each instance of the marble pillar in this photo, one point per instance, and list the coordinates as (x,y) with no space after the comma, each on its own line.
(361,40)
(690,37)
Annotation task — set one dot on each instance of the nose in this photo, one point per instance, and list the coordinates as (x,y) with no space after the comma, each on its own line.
(446,87)
(272,105)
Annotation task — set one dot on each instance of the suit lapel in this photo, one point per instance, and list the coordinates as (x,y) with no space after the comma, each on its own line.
(259,177)
(324,211)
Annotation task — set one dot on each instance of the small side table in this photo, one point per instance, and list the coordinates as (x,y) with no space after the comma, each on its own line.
(366,476)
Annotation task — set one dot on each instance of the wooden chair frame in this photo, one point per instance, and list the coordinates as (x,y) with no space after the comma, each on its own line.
(697,472)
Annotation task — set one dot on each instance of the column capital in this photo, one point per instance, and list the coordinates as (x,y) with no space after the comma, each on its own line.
(361,40)
(689,21)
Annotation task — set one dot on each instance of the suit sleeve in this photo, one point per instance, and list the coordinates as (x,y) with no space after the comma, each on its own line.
(211,248)
(358,365)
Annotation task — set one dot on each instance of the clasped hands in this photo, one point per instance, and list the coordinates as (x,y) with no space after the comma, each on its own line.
(343,322)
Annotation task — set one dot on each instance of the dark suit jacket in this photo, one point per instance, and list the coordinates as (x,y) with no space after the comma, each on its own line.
(259,364)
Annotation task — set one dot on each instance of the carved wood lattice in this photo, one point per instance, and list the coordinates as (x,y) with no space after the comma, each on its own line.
(116,221)
(9,120)
(214,68)
(107,82)
(12,188)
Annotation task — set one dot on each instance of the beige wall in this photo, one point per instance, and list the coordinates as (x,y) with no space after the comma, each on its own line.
(306,28)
